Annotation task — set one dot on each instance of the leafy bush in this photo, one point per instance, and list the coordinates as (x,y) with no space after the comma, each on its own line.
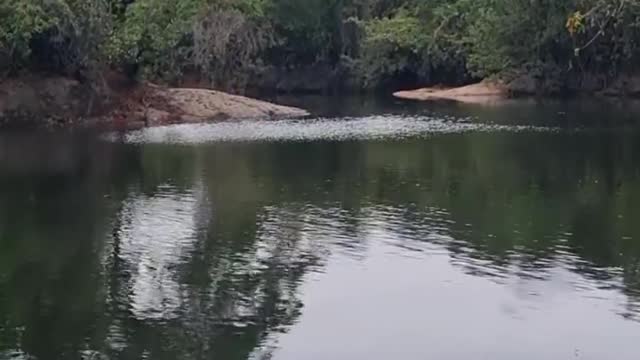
(425,43)
(155,34)
(415,41)
(68,34)
(21,21)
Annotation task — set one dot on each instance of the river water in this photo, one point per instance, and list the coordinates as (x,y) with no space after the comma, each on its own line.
(373,230)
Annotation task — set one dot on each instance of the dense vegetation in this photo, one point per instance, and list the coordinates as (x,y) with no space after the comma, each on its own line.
(228,43)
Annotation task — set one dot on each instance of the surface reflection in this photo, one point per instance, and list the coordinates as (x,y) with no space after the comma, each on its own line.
(154,235)
(497,244)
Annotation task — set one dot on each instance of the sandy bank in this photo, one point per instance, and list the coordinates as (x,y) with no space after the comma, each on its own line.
(480,93)
(160,105)
(59,101)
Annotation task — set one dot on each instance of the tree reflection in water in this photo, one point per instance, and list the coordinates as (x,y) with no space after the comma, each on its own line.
(191,252)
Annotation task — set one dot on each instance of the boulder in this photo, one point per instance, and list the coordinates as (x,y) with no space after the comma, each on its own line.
(177,105)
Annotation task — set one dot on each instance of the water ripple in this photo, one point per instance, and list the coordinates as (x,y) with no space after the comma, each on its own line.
(363,128)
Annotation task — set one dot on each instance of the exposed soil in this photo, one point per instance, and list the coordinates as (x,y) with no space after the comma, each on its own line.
(151,105)
(481,93)
(44,101)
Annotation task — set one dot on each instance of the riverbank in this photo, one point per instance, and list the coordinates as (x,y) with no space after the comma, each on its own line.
(493,91)
(42,101)
(152,105)
(480,93)
(36,101)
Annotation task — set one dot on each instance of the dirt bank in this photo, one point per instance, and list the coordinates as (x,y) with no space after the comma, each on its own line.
(58,101)
(526,84)
(152,105)
(481,93)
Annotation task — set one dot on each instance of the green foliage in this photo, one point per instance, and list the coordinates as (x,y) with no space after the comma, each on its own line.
(153,33)
(512,33)
(392,45)
(607,39)
(228,41)
(308,30)
(168,37)
(20,22)
(70,33)
(416,41)
(424,41)
(480,38)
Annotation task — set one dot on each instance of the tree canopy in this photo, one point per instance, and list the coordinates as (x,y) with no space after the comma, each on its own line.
(429,41)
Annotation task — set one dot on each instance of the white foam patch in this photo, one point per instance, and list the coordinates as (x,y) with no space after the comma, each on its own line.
(364,128)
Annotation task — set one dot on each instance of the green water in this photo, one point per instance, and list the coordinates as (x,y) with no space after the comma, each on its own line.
(431,232)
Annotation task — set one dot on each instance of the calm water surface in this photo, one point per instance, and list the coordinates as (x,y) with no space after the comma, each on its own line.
(372,231)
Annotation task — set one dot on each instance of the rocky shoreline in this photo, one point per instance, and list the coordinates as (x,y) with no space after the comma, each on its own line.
(37,101)
(496,91)
(480,93)
(62,102)
(152,105)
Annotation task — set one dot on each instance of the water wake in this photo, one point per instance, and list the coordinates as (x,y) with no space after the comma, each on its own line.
(364,128)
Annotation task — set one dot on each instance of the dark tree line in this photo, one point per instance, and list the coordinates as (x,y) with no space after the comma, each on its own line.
(376,41)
